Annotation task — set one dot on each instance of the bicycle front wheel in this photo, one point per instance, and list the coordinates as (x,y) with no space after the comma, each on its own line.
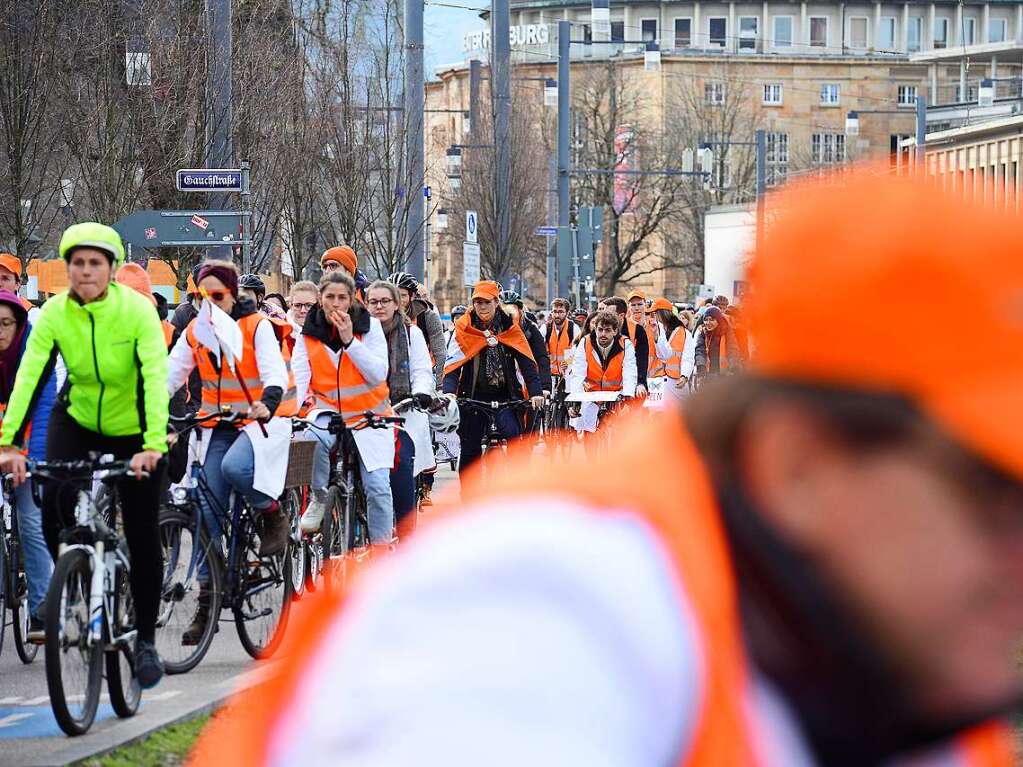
(74,670)
(5,585)
(122,683)
(19,607)
(291,505)
(189,602)
(263,601)
(335,531)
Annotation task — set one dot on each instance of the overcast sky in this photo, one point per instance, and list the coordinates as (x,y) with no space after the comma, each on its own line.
(444,28)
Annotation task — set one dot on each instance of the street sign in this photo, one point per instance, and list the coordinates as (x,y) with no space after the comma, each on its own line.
(180,228)
(470,263)
(471,227)
(209,180)
(427,192)
(546,231)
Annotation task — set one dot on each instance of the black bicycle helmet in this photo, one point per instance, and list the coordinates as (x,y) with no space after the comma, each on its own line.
(459,310)
(405,281)
(254,283)
(510,297)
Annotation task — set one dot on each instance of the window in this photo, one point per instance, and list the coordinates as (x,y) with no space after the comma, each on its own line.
(718,31)
(683,33)
(971,93)
(748,33)
(714,94)
(777,158)
(772,94)
(648,30)
(828,148)
(996,30)
(829,95)
(587,33)
(907,95)
(886,34)
(913,34)
(858,32)
(895,150)
(617,31)
(819,31)
(782,31)
(940,33)
(969,31)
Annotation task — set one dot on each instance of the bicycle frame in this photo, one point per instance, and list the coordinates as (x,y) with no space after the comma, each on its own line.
(104,568)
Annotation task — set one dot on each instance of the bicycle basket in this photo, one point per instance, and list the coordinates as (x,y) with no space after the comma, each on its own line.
(300,463)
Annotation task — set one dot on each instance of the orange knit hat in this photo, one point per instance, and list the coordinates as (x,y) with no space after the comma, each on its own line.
(343,255)
(136,278)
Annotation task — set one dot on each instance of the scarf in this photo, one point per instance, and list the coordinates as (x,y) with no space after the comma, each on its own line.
(399,379)
(471,340)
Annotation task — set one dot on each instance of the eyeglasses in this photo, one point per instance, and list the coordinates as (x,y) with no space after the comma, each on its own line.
(216,295)
(8,323)
(302,306)
(380,301)
(331,266)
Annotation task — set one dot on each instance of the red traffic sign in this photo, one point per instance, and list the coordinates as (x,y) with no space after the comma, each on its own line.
(200,222)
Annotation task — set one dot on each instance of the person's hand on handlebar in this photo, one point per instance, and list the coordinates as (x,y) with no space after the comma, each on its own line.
(423,401)
(536,402)
(13,462)
(145,462)
(259,411)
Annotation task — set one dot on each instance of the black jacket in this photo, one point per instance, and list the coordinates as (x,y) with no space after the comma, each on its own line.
(538,346)
(642,348)
(462,380)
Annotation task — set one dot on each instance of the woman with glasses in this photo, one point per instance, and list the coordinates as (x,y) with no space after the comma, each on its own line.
(341,367)
(410,374)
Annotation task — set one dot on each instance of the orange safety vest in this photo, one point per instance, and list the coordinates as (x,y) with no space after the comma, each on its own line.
(558,343)
(221,388)
(726,731)
(168,333)
(673,365)
(341,387)
(606,377)
(282,329)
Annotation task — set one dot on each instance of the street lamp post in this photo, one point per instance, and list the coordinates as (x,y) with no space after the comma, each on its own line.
(852,124)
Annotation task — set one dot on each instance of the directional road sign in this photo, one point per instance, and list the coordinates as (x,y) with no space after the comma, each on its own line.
(546,231)
(470,263)
(180,228)
(471,227)
(210,180)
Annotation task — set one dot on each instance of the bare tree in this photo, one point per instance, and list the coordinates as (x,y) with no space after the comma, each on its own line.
(29,168)
(620,140)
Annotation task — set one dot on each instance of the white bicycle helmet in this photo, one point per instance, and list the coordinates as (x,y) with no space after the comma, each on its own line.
(445,421)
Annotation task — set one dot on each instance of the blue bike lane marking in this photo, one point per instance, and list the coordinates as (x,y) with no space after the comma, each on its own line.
(36,721)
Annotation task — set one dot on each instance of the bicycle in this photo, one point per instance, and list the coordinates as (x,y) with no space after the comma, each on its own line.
(608,403)
(256,588)
(89,612)
(345,525)
(557,433)
(13,582)
(492,439)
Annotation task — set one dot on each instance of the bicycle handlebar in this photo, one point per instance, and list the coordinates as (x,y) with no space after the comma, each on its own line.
(370,420)
(494,405)
(189,422)
(79,469)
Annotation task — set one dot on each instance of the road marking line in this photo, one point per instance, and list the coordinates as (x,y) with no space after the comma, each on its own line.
(161,696)
(250,678)
(37,701)
(12,719)
(10,701)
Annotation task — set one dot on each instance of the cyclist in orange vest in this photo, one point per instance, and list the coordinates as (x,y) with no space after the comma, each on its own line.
(636,333)
(674,348)
(560,335)
(341,367)
(817,564)
(604,361)
(249,456)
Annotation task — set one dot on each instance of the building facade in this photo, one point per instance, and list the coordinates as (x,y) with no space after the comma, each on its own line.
(797,69)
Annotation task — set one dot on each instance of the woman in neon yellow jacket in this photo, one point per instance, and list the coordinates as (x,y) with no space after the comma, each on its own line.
(114,401)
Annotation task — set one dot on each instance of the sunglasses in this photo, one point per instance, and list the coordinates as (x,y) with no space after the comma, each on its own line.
(217,295)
